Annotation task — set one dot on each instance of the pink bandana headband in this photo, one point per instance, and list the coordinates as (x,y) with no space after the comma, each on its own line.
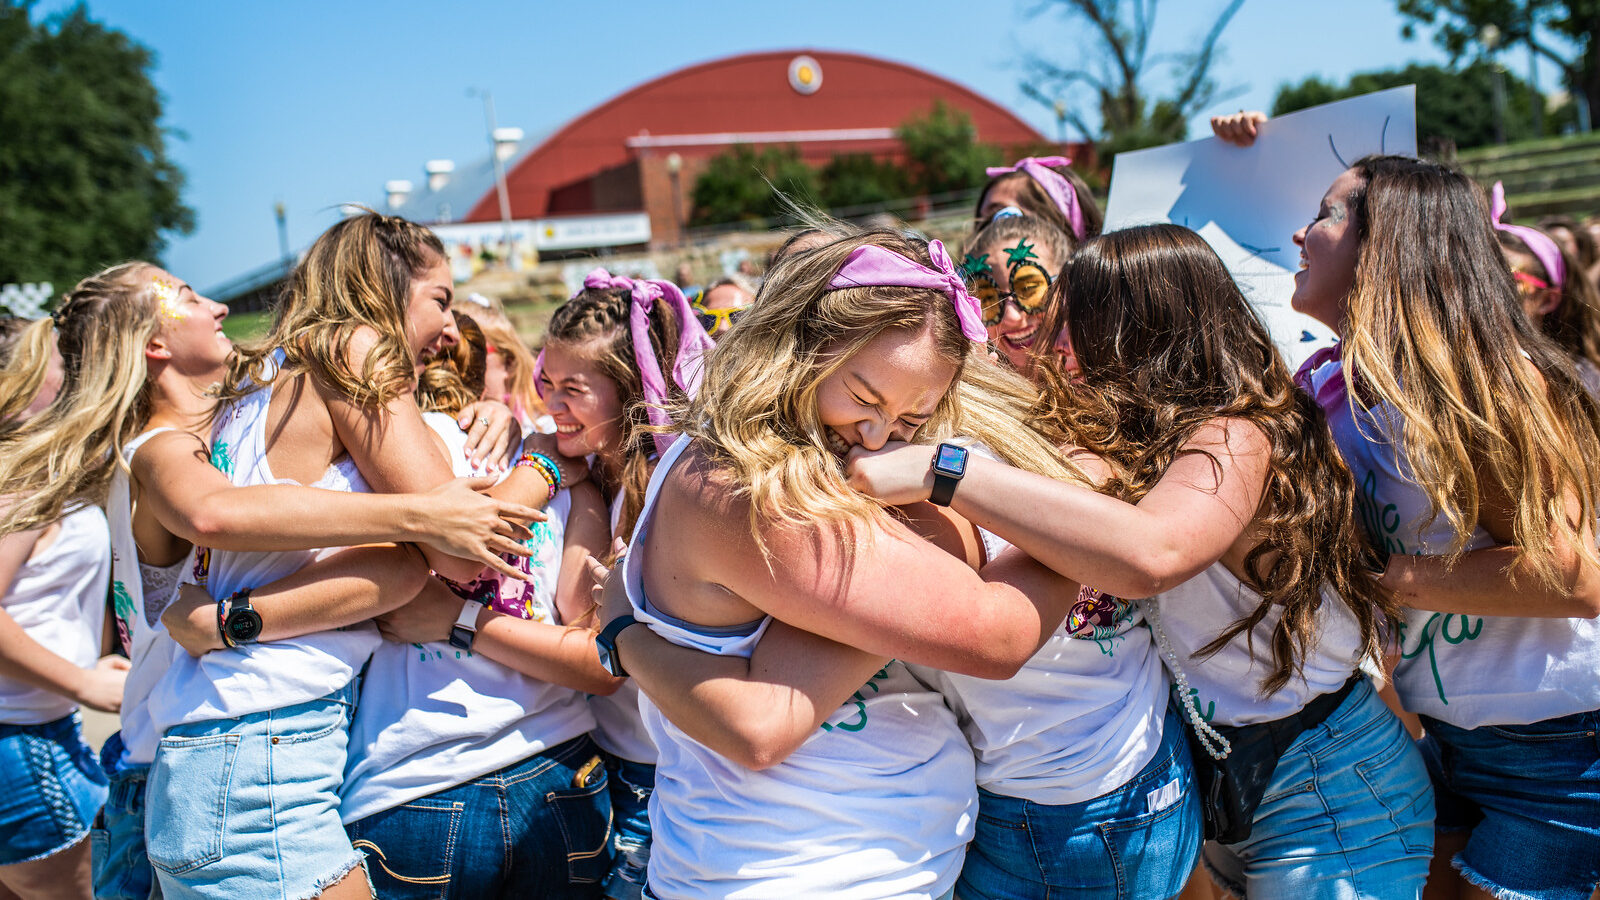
(693,342)
(1057,187)
(1539,244)
(871,265)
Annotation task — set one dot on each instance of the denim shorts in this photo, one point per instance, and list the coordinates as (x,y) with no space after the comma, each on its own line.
(238,809)
(51,786)
(537,828)
(121,868)
(1530,795)
(1137,841)
(1348,813)
(632,783)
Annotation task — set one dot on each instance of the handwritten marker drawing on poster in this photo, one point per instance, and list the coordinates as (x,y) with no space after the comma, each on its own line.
(1247,202)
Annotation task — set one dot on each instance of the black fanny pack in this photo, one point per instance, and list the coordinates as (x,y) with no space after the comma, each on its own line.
(1231,788)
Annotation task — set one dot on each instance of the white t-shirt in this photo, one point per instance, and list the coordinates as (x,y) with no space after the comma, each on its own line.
(880,802)
(139,592)
(432,717)
(59,600)
(620,728)
(1079,719)
(1227,684)
(230,683)
(1466,670)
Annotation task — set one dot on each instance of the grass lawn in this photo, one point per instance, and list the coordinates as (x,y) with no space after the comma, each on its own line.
(245,326)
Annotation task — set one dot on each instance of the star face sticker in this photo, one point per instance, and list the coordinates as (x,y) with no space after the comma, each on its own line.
(1021,253)
(974,264)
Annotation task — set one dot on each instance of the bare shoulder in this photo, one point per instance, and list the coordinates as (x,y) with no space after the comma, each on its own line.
(1233,436)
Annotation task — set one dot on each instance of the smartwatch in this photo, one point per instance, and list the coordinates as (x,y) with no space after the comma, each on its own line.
(465,630)
(949,464)
(237,620)
(606,643)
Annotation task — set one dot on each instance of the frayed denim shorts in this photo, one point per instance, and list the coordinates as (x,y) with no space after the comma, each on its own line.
(238,809)
(1530,794)
(51,787)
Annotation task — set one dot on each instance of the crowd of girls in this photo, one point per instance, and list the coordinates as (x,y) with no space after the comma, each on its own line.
(1025,571)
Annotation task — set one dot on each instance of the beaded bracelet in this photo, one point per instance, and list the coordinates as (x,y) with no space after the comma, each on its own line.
(546,467)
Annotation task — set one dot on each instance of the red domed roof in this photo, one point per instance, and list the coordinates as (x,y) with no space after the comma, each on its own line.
(834,103)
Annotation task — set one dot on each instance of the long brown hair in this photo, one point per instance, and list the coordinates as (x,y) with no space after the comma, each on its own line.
(1167,343)
(1575,323)
(1436,330)
(357,273)
(594,323)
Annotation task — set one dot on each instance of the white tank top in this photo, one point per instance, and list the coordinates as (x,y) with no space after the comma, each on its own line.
(432,717)
(59,600)
(1226,685)
(619,727)
(227,684)
(1079,719)
(139,593)
(879,802)
(1466,670)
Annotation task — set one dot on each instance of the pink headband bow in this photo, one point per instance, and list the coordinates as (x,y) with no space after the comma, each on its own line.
(693,342)
(1057,187)
(872,265)
(1539,244)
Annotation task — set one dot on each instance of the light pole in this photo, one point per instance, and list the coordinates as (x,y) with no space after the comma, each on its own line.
(499,169)
(1489,36)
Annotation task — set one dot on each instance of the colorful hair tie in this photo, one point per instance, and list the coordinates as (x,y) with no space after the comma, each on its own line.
(1056,186)
(1539,244)
(872,265)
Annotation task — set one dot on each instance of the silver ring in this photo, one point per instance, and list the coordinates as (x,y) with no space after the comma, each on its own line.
(483,420)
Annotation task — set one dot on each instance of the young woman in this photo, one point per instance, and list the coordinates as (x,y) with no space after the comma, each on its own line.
(1261,608)
(1558,299)
(141,393)
(327,401)
(52,608)
(862,340)
(615,356)
(1009,266)
(1476,454)
(1046,188)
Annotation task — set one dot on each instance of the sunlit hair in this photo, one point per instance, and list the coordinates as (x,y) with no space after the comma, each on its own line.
(594,326)
(1436,330)
(452,379)
(1166,343)
(24,363)
(1035,202)
(514,354)
(64,456)
(1006,232)
(803,240)
(1575,323)
(357,274)
(757,416)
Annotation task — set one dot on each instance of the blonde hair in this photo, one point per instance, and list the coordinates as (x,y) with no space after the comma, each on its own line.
(64,456)
(502,336)
(756,413)
(357,273)
(1435,330)
(24,363)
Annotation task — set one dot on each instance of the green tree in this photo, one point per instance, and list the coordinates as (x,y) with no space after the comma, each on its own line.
(1453,106)
(84,176)
(943,153)
(743,183)
(1114,77)
(1462,26)
(856,179)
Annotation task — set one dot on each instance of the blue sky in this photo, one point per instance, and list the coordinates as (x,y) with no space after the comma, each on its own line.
(316,103)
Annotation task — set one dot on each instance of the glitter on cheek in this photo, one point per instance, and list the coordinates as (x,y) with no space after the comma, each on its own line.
(166,299)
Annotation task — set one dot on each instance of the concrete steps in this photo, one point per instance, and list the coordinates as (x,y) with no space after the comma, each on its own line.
(1555,176)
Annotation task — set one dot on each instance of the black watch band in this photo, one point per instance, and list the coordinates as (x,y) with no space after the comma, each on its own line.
(606,643)
(949,465)
(237,621)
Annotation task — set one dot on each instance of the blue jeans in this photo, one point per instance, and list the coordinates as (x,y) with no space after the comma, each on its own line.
(121,868)
(1348,813)
(537,828)
(50,788)
(1138,841)
(247,808)
(631,786)
(1531,796)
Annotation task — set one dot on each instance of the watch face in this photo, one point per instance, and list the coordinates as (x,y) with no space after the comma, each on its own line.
(243,625)
(608,659)
(951,460)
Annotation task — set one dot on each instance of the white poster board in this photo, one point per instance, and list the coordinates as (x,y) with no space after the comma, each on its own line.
(1247,202)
